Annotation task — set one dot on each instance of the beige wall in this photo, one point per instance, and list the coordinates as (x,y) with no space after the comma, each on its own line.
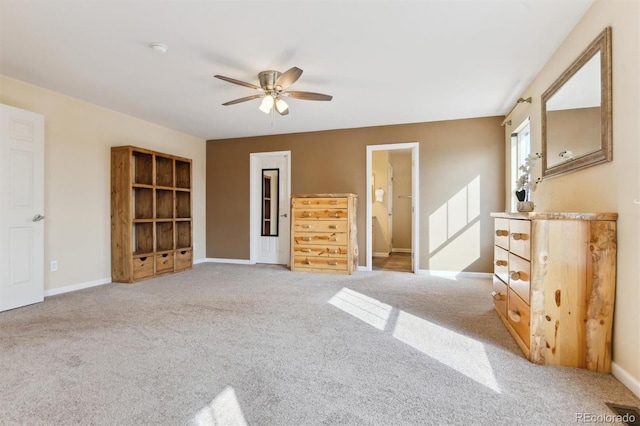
(78,137)
(610,187)
(457,158)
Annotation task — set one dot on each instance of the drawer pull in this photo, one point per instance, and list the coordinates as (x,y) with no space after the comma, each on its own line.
(183,252)
(502,233)
(519,236)
(333,239)
(305,214)
(336,214)
(306,202)
(496,295)
(333,227)
(518,275)
(332,263)
(142,259)
(306,238)
(333,202)
(501,263)
(165,255)
(306,250)
(306,262)
(514,315)
(333,251)
(306,226)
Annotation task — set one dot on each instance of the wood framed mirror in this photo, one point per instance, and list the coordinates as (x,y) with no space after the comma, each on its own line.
(576,112)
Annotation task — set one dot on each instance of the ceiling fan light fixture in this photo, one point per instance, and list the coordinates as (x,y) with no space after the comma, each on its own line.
(281,106)
(267,104)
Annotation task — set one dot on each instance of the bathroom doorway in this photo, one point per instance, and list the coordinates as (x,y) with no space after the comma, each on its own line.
(392,173)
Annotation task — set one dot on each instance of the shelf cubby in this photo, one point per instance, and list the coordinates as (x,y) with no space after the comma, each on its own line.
(164,236)
(164,171)
(142,165)
(183,204)
(164,204)
(142,238)
(183,174)
(142,203)
(183,235)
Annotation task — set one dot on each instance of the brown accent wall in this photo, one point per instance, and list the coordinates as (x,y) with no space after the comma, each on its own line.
(452,153)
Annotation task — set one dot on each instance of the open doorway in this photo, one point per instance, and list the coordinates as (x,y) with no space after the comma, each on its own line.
(392,207)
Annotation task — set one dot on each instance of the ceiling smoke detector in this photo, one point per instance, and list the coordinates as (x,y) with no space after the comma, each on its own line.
(158,47)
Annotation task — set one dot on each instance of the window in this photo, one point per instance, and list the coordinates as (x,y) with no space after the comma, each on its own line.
(520,149)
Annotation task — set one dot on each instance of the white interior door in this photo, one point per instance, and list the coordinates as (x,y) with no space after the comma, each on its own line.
(21,207)
(270,207)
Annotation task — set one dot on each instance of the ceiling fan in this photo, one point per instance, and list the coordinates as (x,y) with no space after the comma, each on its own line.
(272,90)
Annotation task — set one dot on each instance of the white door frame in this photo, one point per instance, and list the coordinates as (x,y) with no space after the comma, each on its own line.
(415,202)
(255,209)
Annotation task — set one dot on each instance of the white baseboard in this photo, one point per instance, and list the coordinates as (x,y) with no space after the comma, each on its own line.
(379,254)
(626,379)
(76,287)
(454,274)
(219,260)
(401,250)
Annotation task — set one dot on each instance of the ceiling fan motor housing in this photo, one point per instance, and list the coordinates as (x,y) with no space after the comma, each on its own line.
(268,79)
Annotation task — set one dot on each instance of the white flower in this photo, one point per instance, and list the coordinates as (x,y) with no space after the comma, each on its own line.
(524,181)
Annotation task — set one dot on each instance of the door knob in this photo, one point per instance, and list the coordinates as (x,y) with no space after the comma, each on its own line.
(38,218)
(283,215)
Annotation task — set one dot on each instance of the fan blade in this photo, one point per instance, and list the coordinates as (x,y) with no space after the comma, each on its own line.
(287,78)
(238,82)
(245,99)
(309,96)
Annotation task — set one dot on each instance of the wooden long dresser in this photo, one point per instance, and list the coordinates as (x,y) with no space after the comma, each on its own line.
(324,233)
(554,285)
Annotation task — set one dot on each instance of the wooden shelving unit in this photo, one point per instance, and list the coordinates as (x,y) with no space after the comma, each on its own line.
(151,222)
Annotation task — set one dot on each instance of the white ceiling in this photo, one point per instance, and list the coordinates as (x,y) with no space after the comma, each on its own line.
(384,62)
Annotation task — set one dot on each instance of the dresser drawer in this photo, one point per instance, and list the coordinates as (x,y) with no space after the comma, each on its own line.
(320,226)
(520,276)
(518,316)
(325,263)
(164,263)
(520,238)
(142,267)
(304,250)
(501,263)
(319,214)
(311,238)
(499,295)
(501,235)
(319,202)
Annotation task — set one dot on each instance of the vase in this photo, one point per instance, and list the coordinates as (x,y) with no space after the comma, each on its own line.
(525,206)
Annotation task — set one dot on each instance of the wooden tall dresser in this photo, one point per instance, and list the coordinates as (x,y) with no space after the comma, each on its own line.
(324,233)
(554,285)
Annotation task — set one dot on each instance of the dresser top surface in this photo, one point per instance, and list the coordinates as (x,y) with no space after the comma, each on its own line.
(556,215)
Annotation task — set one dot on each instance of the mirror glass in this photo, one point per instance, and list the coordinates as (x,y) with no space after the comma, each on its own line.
(270,202)
(576,112)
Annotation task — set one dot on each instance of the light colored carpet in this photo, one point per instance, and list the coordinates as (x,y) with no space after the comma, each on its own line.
(260,345)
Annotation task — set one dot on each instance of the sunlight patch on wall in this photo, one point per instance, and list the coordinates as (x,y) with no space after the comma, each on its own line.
(365,308)
(462,353)
(454,230)
(459,252)
(222,411)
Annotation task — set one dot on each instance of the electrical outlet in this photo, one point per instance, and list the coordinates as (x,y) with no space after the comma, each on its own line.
(53,265)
